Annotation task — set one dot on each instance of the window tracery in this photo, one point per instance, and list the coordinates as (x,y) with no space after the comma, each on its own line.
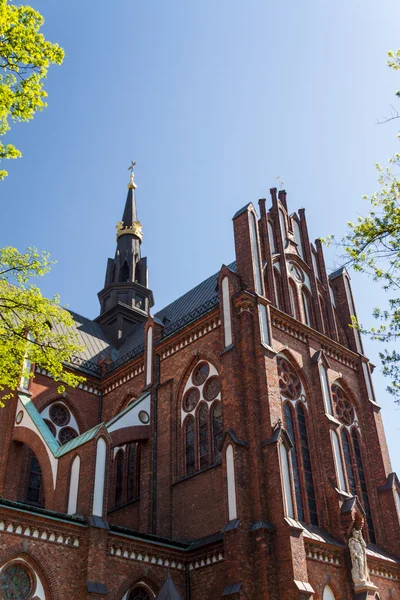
(138,593)
(61,421)
(350,445)
(126,473)
(16,582)
(294,398)
(201,418)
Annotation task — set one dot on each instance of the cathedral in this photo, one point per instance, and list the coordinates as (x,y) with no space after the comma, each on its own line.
(227,446)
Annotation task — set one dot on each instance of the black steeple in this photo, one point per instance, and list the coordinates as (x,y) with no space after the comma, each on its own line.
(125,299)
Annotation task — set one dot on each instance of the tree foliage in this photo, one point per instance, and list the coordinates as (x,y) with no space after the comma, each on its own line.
(25,56)
(33,329)
(373,246)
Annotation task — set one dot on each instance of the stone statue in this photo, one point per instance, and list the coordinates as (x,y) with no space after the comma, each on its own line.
(359,570)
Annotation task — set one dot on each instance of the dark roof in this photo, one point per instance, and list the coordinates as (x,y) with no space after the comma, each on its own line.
(189,307)
(169,591)
(337,273)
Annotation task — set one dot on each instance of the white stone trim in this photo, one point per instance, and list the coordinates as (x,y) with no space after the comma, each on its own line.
(226,306)
(39,533)
(231,483)
(27,422)
(74,485)
(287,484)
(99,478)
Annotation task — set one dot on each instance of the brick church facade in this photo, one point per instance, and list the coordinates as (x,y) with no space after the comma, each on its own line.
(228,446)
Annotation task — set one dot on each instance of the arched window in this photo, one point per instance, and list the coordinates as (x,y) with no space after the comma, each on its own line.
(297,235)
(328,594)
(190,458)
(139,593)
(291,390)
(201,414)
(271,237)
(282,223)
(203,436)
(363,484)
(18,581)
(132,488)
(35,491)
(338,461)
(305,296)
(307,471)
(348,461)
(124,272)
(217,430)
(293,299)
(345,413)
(278,289)
(289,424)
(119,478)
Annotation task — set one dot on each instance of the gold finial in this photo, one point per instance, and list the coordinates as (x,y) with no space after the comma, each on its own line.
(132,184)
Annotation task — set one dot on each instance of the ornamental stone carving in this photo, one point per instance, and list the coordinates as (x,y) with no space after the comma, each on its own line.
(359,570)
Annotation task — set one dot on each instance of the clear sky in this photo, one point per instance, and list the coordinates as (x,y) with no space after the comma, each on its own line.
(214,99)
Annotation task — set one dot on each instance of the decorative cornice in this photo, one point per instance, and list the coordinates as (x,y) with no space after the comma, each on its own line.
(189,338)
(145,556)
(44,535)
(117,382)
(86,387)
(314,552)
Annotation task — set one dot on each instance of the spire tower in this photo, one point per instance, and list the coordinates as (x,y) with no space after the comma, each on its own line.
(125,299)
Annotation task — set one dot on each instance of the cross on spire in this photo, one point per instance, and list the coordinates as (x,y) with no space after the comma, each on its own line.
(132,179)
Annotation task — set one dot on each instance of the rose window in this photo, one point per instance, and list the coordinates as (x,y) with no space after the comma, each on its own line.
(61,422)
(289,381)
(15,583)
(344,408)
(66,435)
(59,414)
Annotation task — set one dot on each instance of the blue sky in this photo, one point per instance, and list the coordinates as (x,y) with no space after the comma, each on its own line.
(214,99)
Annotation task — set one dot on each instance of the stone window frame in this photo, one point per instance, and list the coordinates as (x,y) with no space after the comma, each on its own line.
(213,454)
(291,404)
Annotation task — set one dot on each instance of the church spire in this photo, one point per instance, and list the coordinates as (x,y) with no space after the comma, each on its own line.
(125,299)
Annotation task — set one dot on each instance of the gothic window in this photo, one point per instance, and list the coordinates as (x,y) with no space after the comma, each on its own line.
(305,296)
(328,594)
(363,484)
(289,423)
(271,237)
(289,380)
(190,457)
(34,492)
(278,289)
(119,478)
(203,436)
(61,422)
(16,582)
(124,273)
(291,390)
(133,472)
(138,593)
(217,429)
(345,413)
(305,454)
(348,461)
(126,474)
(293,299)
(201,417)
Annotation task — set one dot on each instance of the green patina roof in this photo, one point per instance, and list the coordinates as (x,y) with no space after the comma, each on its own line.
(78,441)
(44,431)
